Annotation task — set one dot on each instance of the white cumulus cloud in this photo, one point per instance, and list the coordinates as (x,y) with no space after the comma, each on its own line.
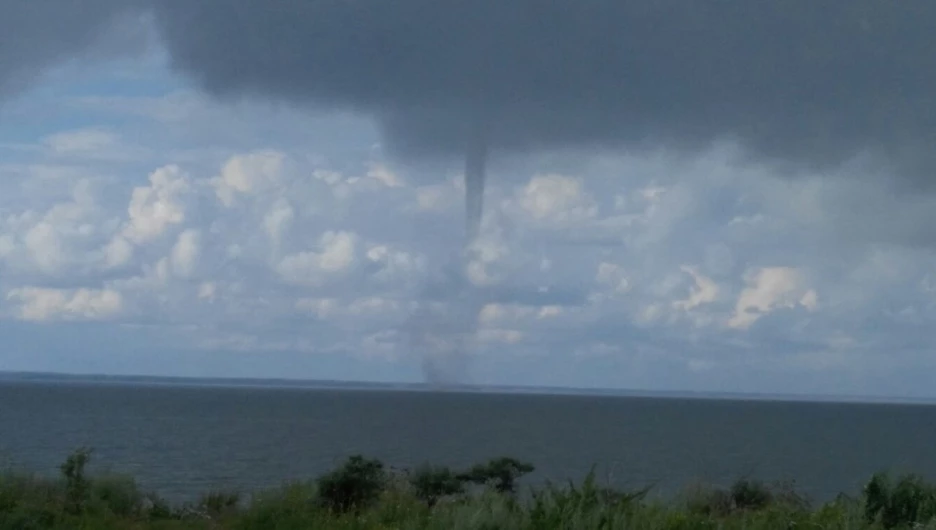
(248,174)
(43,304)
(185,253)
(155,208)
(703,292)
(556,200)
(768,289)
(336,255)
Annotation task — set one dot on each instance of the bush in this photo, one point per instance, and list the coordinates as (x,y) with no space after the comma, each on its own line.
(749,494)
(76,481)
(218,503)
(157,508)
(784,494)
(744,495)
(432,483)
(117,495)
(909,501)
(30,518)
(289,506)
(876,496)
(588,505)
(355,485)
(19,489)
(499,473)
(709,502)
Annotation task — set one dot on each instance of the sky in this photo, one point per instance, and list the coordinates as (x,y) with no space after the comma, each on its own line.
(238,202)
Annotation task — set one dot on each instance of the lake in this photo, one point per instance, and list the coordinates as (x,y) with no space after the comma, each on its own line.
(182,440)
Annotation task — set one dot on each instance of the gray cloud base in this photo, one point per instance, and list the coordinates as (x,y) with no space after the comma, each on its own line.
(35,35)
(806,85)
(810,84)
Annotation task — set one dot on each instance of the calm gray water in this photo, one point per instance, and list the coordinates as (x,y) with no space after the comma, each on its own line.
(184,440)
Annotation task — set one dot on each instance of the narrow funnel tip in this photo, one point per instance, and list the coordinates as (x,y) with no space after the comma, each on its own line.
(475,168)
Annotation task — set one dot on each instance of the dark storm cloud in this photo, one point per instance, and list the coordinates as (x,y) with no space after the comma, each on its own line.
(38,34)
(810,83)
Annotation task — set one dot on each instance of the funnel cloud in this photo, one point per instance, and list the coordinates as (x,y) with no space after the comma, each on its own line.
(443,334)
(475,169)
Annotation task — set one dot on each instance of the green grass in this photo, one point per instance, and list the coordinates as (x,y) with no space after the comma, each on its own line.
(363,495)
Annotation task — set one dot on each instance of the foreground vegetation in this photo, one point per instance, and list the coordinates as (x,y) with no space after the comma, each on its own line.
(363,494)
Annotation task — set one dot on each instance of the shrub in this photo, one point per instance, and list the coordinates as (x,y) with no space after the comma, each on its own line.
(588,505)
(876,496)
(749,494)
(30,518)
(355,485)
(432,483)
(18,489)
(157,508)
(907,502)
(118,495)
(290,506)
(218,503)
(709,502)
(76,481)
(784,494)
(499,473)
(744,494)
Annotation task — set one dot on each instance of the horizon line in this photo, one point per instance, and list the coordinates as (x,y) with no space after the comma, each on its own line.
(506,389)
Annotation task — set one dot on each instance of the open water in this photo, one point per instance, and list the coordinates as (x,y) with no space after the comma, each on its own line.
(183,440)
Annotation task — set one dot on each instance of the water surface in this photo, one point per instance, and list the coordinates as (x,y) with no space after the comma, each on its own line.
(182,440)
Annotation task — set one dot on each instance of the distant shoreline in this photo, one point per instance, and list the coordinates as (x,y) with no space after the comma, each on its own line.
(306,384)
